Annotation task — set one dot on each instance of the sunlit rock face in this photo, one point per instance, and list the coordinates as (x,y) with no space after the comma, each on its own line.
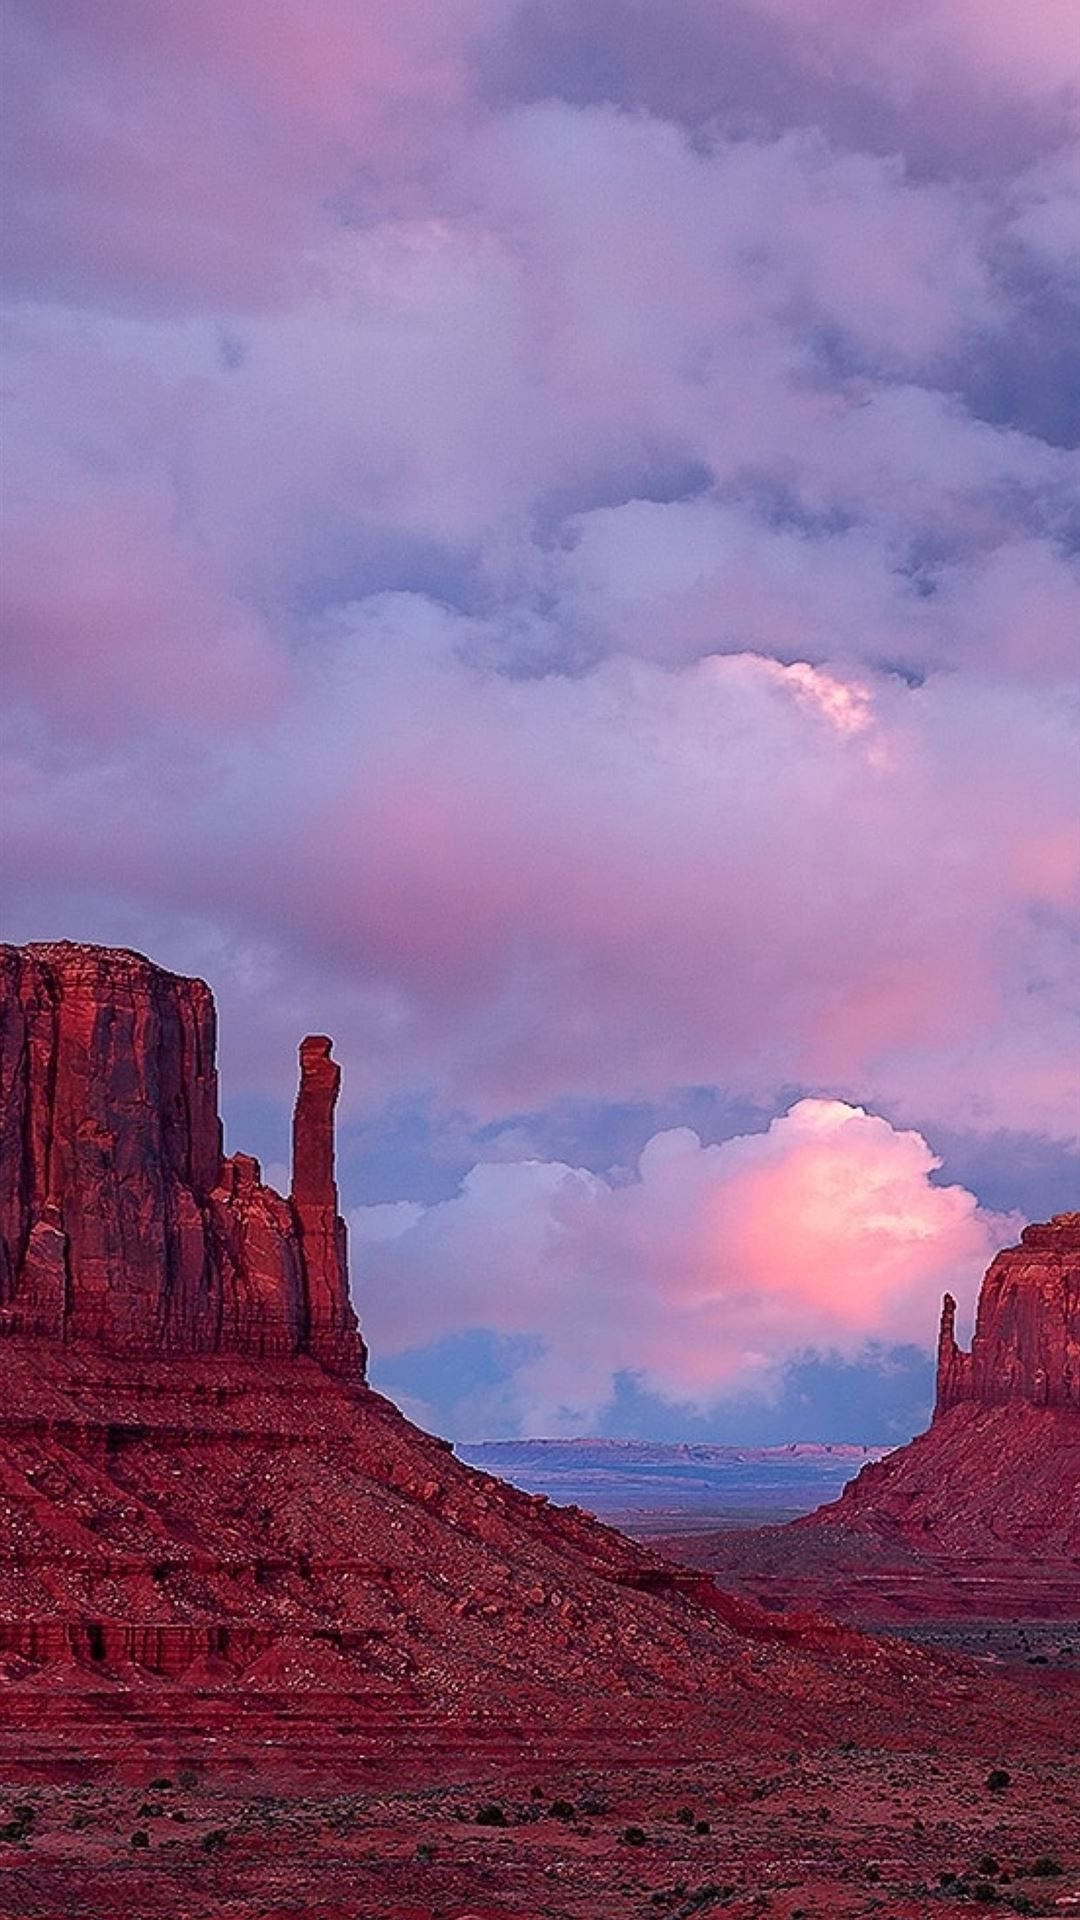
(122,1223)
(1027,1331)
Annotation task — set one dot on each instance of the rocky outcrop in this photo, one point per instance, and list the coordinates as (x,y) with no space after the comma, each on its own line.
(122,1222)
(1027,1330)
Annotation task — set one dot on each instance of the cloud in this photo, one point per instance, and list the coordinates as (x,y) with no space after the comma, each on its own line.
(601,885)
(975,88)
(196,158)
(984,41)
(703,1273)
(547,546)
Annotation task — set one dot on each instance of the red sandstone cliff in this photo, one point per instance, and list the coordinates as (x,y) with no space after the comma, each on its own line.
(1027,1329)
(121,1221)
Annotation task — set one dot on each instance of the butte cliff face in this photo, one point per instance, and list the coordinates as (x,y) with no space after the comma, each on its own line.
(122,1223)
(1027,1330)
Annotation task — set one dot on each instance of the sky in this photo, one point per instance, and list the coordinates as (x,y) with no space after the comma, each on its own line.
(541,539)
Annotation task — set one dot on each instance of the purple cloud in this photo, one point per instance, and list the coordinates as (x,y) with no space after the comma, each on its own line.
(555,545)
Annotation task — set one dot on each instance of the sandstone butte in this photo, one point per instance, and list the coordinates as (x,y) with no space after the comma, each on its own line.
(218,1545)
(979,1515)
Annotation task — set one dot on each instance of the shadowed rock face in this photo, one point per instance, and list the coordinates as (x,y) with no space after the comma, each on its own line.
(1027,1330)
(122,1223)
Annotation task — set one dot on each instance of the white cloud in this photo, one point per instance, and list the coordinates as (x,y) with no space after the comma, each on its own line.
(704,1274)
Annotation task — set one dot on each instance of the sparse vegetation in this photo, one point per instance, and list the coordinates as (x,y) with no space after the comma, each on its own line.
(490,1815)
(20,1824)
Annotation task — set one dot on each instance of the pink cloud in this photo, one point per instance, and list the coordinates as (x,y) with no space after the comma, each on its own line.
(196,157)
(704,1272)
(987,43)
(115,626)
(326,344)
(603,885)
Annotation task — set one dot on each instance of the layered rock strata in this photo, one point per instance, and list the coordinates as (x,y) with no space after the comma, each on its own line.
(122,1221)
(1027,1330)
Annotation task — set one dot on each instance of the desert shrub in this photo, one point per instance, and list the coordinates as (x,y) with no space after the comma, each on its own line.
(685,1816)
(988,1864)
(490,1815)
(1045,1867)
(985,1892)
(634,1836)
(211,1841)
(18,1827)
(140,1838)
(561,1810)
(998,1779)
(702,1826)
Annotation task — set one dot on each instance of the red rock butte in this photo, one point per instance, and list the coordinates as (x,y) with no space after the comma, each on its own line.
(1027,1330)
(217,1543)
(122,1222)
(199,1492)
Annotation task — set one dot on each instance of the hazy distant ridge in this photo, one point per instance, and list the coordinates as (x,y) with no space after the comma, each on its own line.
(614,1476)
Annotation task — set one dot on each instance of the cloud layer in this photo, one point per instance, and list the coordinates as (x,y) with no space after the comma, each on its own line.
(705,1270)
(547,546)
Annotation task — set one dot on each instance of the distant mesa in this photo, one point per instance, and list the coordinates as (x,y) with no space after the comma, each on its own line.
(122,1222)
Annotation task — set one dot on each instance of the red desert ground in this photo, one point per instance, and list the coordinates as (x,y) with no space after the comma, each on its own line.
(267,1649)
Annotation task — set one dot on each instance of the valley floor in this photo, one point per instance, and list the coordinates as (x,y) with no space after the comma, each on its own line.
(826,1835)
